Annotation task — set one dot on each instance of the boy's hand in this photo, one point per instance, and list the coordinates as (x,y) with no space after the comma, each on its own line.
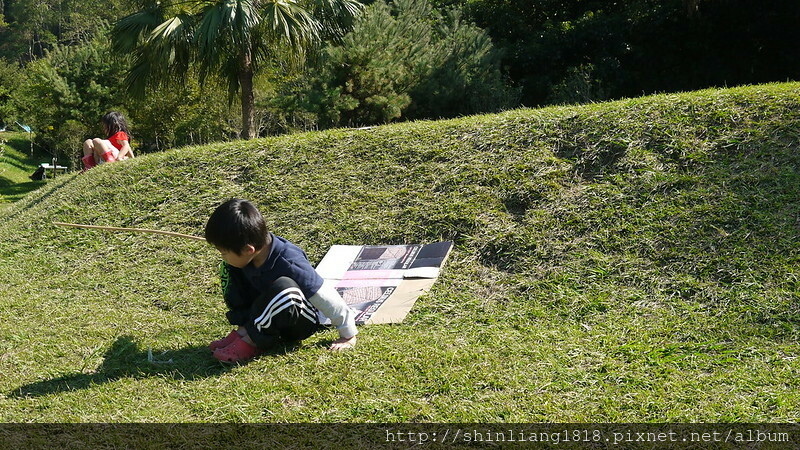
(343,344)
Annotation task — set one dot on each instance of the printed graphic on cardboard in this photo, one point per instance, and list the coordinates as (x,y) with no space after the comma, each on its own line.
(382,282)
(365,300)
(401,257)
(392,257)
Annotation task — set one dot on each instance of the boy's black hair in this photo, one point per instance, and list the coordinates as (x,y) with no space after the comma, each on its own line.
(236,224)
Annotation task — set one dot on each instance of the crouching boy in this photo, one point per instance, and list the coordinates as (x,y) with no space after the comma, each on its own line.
(271,290)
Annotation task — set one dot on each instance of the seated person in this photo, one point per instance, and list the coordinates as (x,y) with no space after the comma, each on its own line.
(114,148)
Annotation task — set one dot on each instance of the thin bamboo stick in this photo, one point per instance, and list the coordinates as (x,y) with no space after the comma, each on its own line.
(134,230)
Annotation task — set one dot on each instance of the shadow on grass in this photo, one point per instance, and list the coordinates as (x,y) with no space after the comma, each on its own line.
(11,191)
(17,164)
(124,359)
(20,155)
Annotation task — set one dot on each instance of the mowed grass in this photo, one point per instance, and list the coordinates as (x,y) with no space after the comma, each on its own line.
(617,262)
(16,166)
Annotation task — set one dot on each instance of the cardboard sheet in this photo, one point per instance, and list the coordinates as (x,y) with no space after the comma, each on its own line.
(382,282)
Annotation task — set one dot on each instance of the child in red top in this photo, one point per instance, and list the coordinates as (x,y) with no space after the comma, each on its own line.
(114,148)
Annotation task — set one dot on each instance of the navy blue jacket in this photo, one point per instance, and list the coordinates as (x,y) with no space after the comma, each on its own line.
(240,287)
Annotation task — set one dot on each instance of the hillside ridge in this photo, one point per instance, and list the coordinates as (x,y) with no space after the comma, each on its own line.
(630,251)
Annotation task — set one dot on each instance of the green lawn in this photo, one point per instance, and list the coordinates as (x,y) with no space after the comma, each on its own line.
(16,165)
(633,261)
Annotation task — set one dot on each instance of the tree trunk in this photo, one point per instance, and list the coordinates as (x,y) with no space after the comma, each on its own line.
(249,129)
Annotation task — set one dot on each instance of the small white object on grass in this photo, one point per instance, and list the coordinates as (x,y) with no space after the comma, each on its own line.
(152,360)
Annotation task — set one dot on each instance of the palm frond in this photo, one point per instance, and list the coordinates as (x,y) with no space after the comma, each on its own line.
(229,74)
(226,28)
(170,42)
(336,17)
(242,17)
(207,35)
(129,31)
(174,30)
(285,20)
(139,76)
(162,56)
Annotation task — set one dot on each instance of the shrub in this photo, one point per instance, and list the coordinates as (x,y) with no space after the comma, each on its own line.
(407,60)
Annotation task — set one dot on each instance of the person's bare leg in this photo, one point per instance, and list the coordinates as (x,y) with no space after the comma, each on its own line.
(88,147)
(103,150)
(88,155)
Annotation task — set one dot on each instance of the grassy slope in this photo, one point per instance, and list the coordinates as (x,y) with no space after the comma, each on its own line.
(16,164)
(627,261)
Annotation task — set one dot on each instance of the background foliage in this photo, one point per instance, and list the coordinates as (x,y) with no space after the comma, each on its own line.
(406,59)
(72,86)
(30,27)
(578,50)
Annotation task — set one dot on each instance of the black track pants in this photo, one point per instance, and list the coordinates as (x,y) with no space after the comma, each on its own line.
(281,314)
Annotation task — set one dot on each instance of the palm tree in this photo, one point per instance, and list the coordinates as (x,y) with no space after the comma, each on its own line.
(229,39)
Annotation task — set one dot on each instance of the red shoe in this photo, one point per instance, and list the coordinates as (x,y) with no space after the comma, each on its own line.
(224,342)
(108,157)
(88,162)
(237,351)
